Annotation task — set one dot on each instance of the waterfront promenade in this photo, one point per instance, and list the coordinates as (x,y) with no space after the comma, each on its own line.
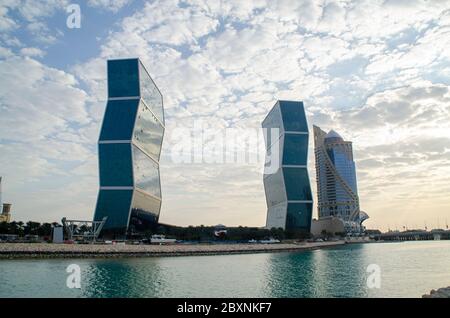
(45,250)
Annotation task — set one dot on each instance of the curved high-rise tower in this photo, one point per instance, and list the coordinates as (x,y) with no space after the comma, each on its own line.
(286,179)
(337,189)
(129,149)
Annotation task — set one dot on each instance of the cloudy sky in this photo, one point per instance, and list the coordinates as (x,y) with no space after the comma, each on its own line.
(378,72)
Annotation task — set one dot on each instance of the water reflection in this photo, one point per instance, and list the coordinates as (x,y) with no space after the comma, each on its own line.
(124,278)
(407,270)
(317,274)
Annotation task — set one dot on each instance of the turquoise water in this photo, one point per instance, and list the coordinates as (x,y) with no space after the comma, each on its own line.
(408,269)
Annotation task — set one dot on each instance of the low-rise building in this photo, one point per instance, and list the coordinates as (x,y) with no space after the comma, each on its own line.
(6,213)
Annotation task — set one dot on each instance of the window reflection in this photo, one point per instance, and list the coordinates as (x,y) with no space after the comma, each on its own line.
(146,173)
(148,132)
(145,208)
(276,194)
(273,120)
(150,94)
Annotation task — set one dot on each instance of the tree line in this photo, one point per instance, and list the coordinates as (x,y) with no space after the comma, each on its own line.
(189,233)
(240,233)
(29,228)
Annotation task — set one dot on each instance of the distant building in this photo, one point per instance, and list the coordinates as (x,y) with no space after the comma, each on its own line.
(6,213)
(129,150)
(1,198)
(287,186)
(337,190)
(5,216)
(57,234)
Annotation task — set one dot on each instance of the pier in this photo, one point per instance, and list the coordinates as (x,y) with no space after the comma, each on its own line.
(415,235)
(47,250)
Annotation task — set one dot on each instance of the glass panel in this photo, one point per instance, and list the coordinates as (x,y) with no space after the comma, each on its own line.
(273,158)
(146,173)
(119,119)
(123,78)
(297,184)
(274,187)
(295,149)
(151,94)
(145,211)
(345,167)
(273,120)
(294,118)
(299,216)
(115,204)
(115,165)
(148,133)
(276,216)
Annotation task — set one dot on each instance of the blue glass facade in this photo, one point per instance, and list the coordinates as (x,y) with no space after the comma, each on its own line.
(118,122)
(113,204)
(116,169)
(129,150)
(287,187)
(336,180)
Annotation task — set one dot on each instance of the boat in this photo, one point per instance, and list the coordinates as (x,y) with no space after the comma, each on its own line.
(161,239)
(270,241)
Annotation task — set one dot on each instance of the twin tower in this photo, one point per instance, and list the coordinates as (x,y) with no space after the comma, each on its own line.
(130,148)
(286,180)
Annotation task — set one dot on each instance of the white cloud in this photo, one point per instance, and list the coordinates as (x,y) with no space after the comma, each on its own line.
(32,51)
(401,137)
(30,15)
(33,10)
(110,5)
(6,22)
(366,68)
(5,52)
(38,104)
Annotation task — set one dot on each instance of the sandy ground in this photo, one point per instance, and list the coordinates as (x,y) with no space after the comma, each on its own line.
(43,250)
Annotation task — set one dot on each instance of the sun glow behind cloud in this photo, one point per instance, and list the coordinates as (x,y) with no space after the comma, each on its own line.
(376,71)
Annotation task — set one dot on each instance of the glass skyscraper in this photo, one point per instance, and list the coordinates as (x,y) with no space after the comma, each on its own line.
(287,186)
(336,180)
(129,149)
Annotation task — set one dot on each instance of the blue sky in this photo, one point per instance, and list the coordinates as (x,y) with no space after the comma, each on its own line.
(375,71)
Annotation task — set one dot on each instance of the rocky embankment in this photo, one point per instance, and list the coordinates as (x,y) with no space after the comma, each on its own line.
(440,293)
(42,250)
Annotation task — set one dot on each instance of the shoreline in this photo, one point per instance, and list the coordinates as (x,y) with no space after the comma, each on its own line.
(46,251)
(443,292)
